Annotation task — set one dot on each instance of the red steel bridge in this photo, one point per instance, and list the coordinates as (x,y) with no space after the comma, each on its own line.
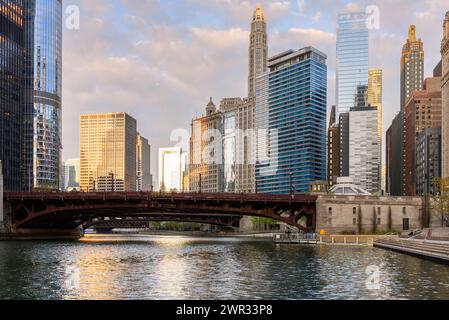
(69,211)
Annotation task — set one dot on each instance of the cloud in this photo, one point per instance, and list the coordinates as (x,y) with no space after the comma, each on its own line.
(160,61)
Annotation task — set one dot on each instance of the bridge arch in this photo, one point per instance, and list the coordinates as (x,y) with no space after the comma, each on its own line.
(71,210)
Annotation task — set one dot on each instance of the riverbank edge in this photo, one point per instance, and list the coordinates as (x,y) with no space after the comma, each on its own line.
(415,253)
(73,236)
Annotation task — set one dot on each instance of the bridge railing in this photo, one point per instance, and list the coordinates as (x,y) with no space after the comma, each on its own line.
(160,195)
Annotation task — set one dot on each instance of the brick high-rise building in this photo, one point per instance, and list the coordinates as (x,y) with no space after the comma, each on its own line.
(412,78)
(423,111)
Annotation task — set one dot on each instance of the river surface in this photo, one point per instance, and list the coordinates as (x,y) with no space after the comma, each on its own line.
(145,267)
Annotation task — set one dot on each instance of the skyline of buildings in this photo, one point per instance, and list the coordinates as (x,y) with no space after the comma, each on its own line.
(30,121)
(222,144)
(236,116)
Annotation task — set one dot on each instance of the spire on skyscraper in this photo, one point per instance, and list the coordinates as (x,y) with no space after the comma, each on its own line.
(412,33)
(259,15)
(258,49)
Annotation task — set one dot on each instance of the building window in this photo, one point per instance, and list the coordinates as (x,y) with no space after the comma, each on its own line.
(354,221)
(354,211)
(406,224)
(404,210)
(330,211)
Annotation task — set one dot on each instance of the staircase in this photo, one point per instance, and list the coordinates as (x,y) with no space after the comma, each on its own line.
(434,250)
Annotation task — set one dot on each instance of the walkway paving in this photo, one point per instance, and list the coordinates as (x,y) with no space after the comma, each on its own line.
(428,249)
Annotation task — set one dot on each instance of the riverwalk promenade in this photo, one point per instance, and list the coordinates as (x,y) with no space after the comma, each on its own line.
(427,249)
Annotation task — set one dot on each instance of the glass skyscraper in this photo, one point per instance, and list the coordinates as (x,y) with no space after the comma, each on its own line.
(12,47)
(291,107)
(16,94)
(47,94)
(352,58)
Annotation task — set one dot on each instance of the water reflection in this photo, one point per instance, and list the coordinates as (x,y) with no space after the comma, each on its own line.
(199,268)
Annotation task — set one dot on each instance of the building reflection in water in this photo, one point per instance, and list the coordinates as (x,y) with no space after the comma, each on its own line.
(199,268)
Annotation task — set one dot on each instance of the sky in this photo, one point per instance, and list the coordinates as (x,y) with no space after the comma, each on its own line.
(161,60)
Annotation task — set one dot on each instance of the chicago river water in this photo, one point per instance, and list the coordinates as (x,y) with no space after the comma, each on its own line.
(145,267)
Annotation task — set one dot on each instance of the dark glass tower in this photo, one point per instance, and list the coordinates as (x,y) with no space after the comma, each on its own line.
(12,113)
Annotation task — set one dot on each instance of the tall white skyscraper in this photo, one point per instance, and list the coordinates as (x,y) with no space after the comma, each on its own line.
(258,49)
(364,149)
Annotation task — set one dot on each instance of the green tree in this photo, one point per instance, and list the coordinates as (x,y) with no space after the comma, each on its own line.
(440,202)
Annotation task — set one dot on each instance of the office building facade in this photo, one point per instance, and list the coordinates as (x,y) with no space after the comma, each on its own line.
(333,149)
(108,152)
(206,151)
(352,58)
(374,97)
(71,175)
(423,111)
(144,180)
(364,149)
(47,94)
(13,103)
(292,106)
(445,95)
(343,125)
(428,161)
(395,154)
(412,77)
